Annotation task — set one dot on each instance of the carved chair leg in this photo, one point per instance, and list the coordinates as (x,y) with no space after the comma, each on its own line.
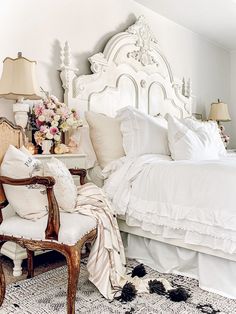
(73,264)
(17,269)
(2,279)
(2,285)
(30,263)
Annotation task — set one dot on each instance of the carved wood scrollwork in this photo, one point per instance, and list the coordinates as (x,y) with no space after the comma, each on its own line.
(144,39)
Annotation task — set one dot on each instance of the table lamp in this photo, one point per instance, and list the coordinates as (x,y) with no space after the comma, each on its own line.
(18,82)
(219,112)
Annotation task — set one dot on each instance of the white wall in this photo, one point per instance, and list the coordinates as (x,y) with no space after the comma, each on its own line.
(37,28)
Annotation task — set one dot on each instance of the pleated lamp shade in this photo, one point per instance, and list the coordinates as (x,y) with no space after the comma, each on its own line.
(18,79)
(219,112)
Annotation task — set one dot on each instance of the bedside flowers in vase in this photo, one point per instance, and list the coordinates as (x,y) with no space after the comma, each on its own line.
(53,118)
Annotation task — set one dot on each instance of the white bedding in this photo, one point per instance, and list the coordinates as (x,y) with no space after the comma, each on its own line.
(194,201)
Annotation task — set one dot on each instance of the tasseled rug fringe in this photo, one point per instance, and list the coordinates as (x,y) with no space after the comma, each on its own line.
(129,291)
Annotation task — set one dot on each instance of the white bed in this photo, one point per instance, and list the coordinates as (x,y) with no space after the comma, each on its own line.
(132,71)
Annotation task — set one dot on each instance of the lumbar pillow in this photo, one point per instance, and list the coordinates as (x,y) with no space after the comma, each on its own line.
(64,189)
(187,141)
(30,201)
(143,134)
(106,137)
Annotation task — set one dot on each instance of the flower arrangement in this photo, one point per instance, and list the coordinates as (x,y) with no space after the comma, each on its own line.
(52,118)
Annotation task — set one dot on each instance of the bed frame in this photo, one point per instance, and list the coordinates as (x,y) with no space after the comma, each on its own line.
(131,71)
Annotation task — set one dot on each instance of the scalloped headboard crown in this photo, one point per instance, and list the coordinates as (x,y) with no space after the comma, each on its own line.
(130,71)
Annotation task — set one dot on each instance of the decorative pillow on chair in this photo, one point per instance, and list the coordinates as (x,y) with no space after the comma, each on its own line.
(191,140)
(106,137)
(65,189)
(143,134)
(29,202)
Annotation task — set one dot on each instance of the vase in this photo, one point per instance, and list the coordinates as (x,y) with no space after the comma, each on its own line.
(46,147)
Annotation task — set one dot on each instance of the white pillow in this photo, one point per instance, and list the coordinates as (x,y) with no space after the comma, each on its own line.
(65,189)
(106,137)
(211,128)
(143,134)
(191,143)
(29,202)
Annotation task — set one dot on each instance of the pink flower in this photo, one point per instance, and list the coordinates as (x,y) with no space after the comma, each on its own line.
(64,113)
(43,129)
(38,123)
(53,130)
(38,109)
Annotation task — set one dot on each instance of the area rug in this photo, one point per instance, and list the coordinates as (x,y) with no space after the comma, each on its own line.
(46,294)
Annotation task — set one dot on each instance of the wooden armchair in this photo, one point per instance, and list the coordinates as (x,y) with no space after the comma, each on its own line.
(80,229)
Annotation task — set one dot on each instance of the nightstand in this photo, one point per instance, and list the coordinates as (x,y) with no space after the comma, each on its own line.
(13,250)
(231,153)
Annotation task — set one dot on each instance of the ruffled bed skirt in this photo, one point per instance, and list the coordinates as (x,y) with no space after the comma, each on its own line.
(214,274)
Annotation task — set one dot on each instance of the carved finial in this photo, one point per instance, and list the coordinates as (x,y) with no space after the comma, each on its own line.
(183,86)
(189,88)
(186,88)
(67,54)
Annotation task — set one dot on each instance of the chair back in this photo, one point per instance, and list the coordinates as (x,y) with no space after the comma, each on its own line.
(9,134)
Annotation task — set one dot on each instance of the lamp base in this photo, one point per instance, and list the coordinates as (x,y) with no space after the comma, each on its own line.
(20,110)
(225,138)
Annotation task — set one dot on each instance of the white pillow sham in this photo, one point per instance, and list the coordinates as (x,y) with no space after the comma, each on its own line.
(143,134)
(211,128)
(106,137)
(188,140)
(65,189)
(29,202)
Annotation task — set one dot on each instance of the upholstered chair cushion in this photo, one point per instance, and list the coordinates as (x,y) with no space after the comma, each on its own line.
(29,202)
(65,189)
(73,227)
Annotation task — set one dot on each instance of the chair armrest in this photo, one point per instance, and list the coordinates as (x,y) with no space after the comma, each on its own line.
(53,224)
(79,172)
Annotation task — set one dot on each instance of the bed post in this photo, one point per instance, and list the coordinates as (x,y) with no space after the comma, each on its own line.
(67,75)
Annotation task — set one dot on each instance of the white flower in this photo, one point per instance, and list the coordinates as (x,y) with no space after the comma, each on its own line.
(54,123)
(70,121)
(49,136)
(57,137)
(57,117)
(54,98)
(41,118)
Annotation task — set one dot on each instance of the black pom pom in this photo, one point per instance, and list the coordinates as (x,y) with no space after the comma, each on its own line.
(156,286)
(139,271)
(128,293)
(178,294)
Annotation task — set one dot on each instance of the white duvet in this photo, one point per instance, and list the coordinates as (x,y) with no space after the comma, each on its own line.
(194,201)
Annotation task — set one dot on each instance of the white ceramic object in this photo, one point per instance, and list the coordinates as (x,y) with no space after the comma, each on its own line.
(46,146)
(21,114)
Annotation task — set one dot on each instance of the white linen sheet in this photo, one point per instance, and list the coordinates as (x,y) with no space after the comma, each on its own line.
(190,200)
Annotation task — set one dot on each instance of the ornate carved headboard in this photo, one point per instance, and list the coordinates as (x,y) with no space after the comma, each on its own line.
(130,71)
